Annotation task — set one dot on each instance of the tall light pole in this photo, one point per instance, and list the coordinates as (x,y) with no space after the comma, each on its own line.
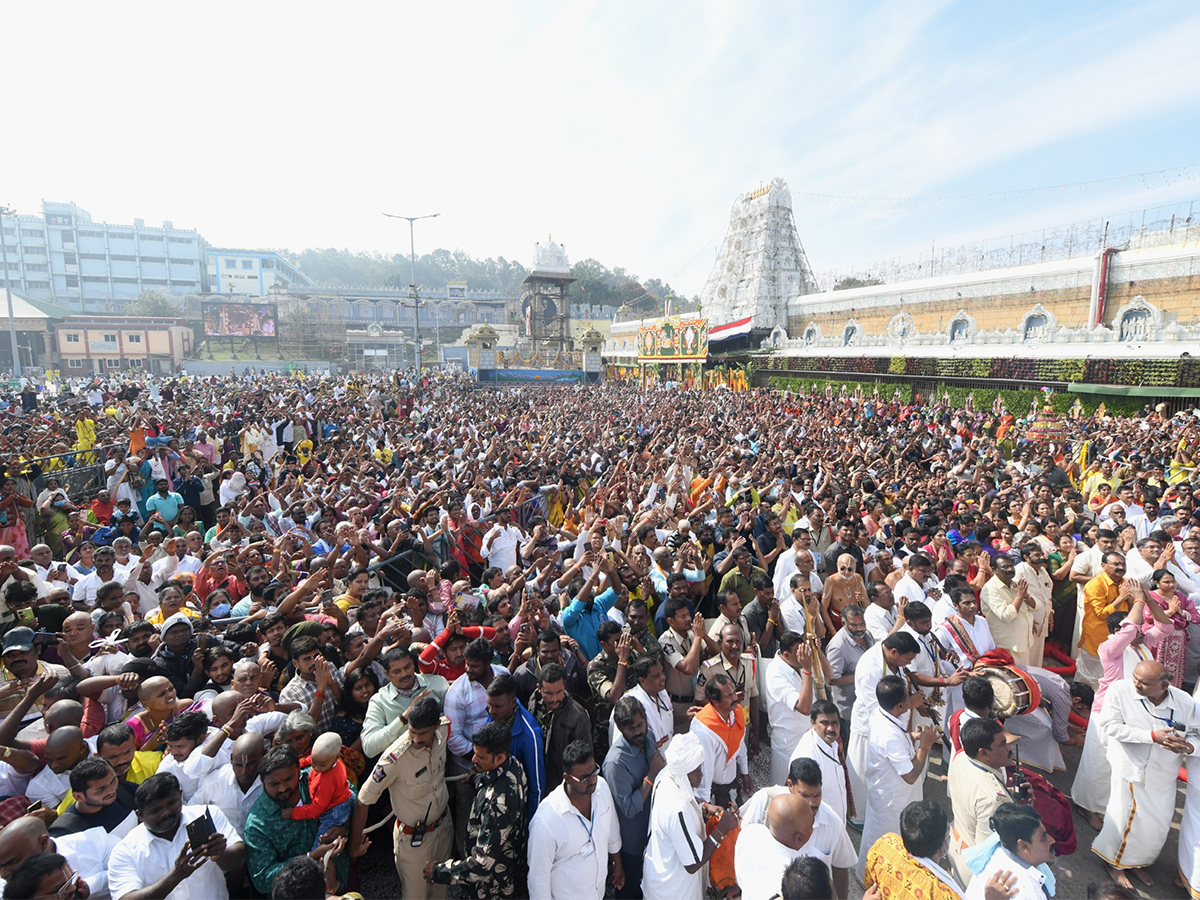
(412,284)
(12,324)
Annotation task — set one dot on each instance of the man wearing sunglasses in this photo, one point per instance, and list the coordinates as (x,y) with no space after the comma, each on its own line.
(574,833)
(47,876)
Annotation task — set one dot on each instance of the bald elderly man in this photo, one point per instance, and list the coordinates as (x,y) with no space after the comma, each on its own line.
(87,851)
(1151,728)
(765,850)
(64,748)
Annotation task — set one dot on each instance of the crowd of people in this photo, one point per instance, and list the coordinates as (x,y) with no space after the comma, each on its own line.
(586,641)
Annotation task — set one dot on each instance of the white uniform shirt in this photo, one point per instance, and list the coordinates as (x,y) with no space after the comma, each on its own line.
(676,840)
(568,856)
(142,859)
(783,693)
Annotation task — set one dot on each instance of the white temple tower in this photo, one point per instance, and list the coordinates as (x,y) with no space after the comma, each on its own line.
(761,264)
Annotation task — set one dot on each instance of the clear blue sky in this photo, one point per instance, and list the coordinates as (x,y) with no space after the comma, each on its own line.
(625,129)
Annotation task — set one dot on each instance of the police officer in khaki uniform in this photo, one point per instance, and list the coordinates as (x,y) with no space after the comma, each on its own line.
(413,770)
(681,645)
(742,669)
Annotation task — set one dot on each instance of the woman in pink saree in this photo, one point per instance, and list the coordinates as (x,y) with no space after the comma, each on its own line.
(1172,650)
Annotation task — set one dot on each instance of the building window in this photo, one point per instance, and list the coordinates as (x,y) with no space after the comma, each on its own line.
(72,281)
(268,263)
(135,364)
(113,363)
(110,339)
(73,339)
(231,263)
(26,233)
(74,363)
(38,285)
(247,264)
(133,338)
(35,267)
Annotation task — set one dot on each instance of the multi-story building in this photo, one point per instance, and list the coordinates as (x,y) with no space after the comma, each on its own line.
(87,266)
(251,273)
(110,344)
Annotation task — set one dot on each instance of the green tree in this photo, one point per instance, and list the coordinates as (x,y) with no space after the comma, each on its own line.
(154,303)
(854,281)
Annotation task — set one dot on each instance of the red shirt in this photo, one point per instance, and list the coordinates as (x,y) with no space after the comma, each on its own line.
(327,789)
(432,661)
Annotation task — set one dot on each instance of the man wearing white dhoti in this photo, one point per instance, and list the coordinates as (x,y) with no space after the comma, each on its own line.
(1150,726)
(1189,827)
(895,763)
(887,658)
(1126,646)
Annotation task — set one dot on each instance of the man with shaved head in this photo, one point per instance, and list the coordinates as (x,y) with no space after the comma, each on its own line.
(1151,727)
(235,786)
(765,850)
(64,748)
(27,836)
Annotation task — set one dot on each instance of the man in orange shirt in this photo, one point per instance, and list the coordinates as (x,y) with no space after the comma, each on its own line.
(1105,594)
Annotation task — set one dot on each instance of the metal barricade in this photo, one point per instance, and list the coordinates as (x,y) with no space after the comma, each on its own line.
(80,473)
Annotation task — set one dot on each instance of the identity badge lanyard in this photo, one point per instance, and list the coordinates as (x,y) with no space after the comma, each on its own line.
(1169,720)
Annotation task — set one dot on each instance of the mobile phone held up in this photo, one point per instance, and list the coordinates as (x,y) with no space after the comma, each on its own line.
(200,829)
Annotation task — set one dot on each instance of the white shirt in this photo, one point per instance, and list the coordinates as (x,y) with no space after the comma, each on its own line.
(676,841)
(142,859)
(190,772)
(502,552)
(869,672)
(786,568)
(1029,880)
(759,862)
(660,715)
(719,767)
(220,789)
(568,855)
(792,613)
(829,841)
(48,787)
(833,778)
(86,587)
(908,588)
(879,621)
(783,693)
(978,631)
(889,757)
(87,852)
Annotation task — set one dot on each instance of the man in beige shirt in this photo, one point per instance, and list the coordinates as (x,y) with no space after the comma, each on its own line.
(1009,610)
(1036,577)
(976,785)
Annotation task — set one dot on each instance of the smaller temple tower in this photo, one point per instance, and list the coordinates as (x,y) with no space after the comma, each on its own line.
(544,321)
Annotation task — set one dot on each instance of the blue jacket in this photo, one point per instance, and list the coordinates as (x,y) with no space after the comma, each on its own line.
(581,623)
(528,748)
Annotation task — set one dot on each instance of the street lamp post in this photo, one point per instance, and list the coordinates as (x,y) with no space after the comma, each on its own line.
(412,284)
(12,324)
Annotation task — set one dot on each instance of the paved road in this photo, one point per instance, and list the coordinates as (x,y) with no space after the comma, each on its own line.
(1074,872)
